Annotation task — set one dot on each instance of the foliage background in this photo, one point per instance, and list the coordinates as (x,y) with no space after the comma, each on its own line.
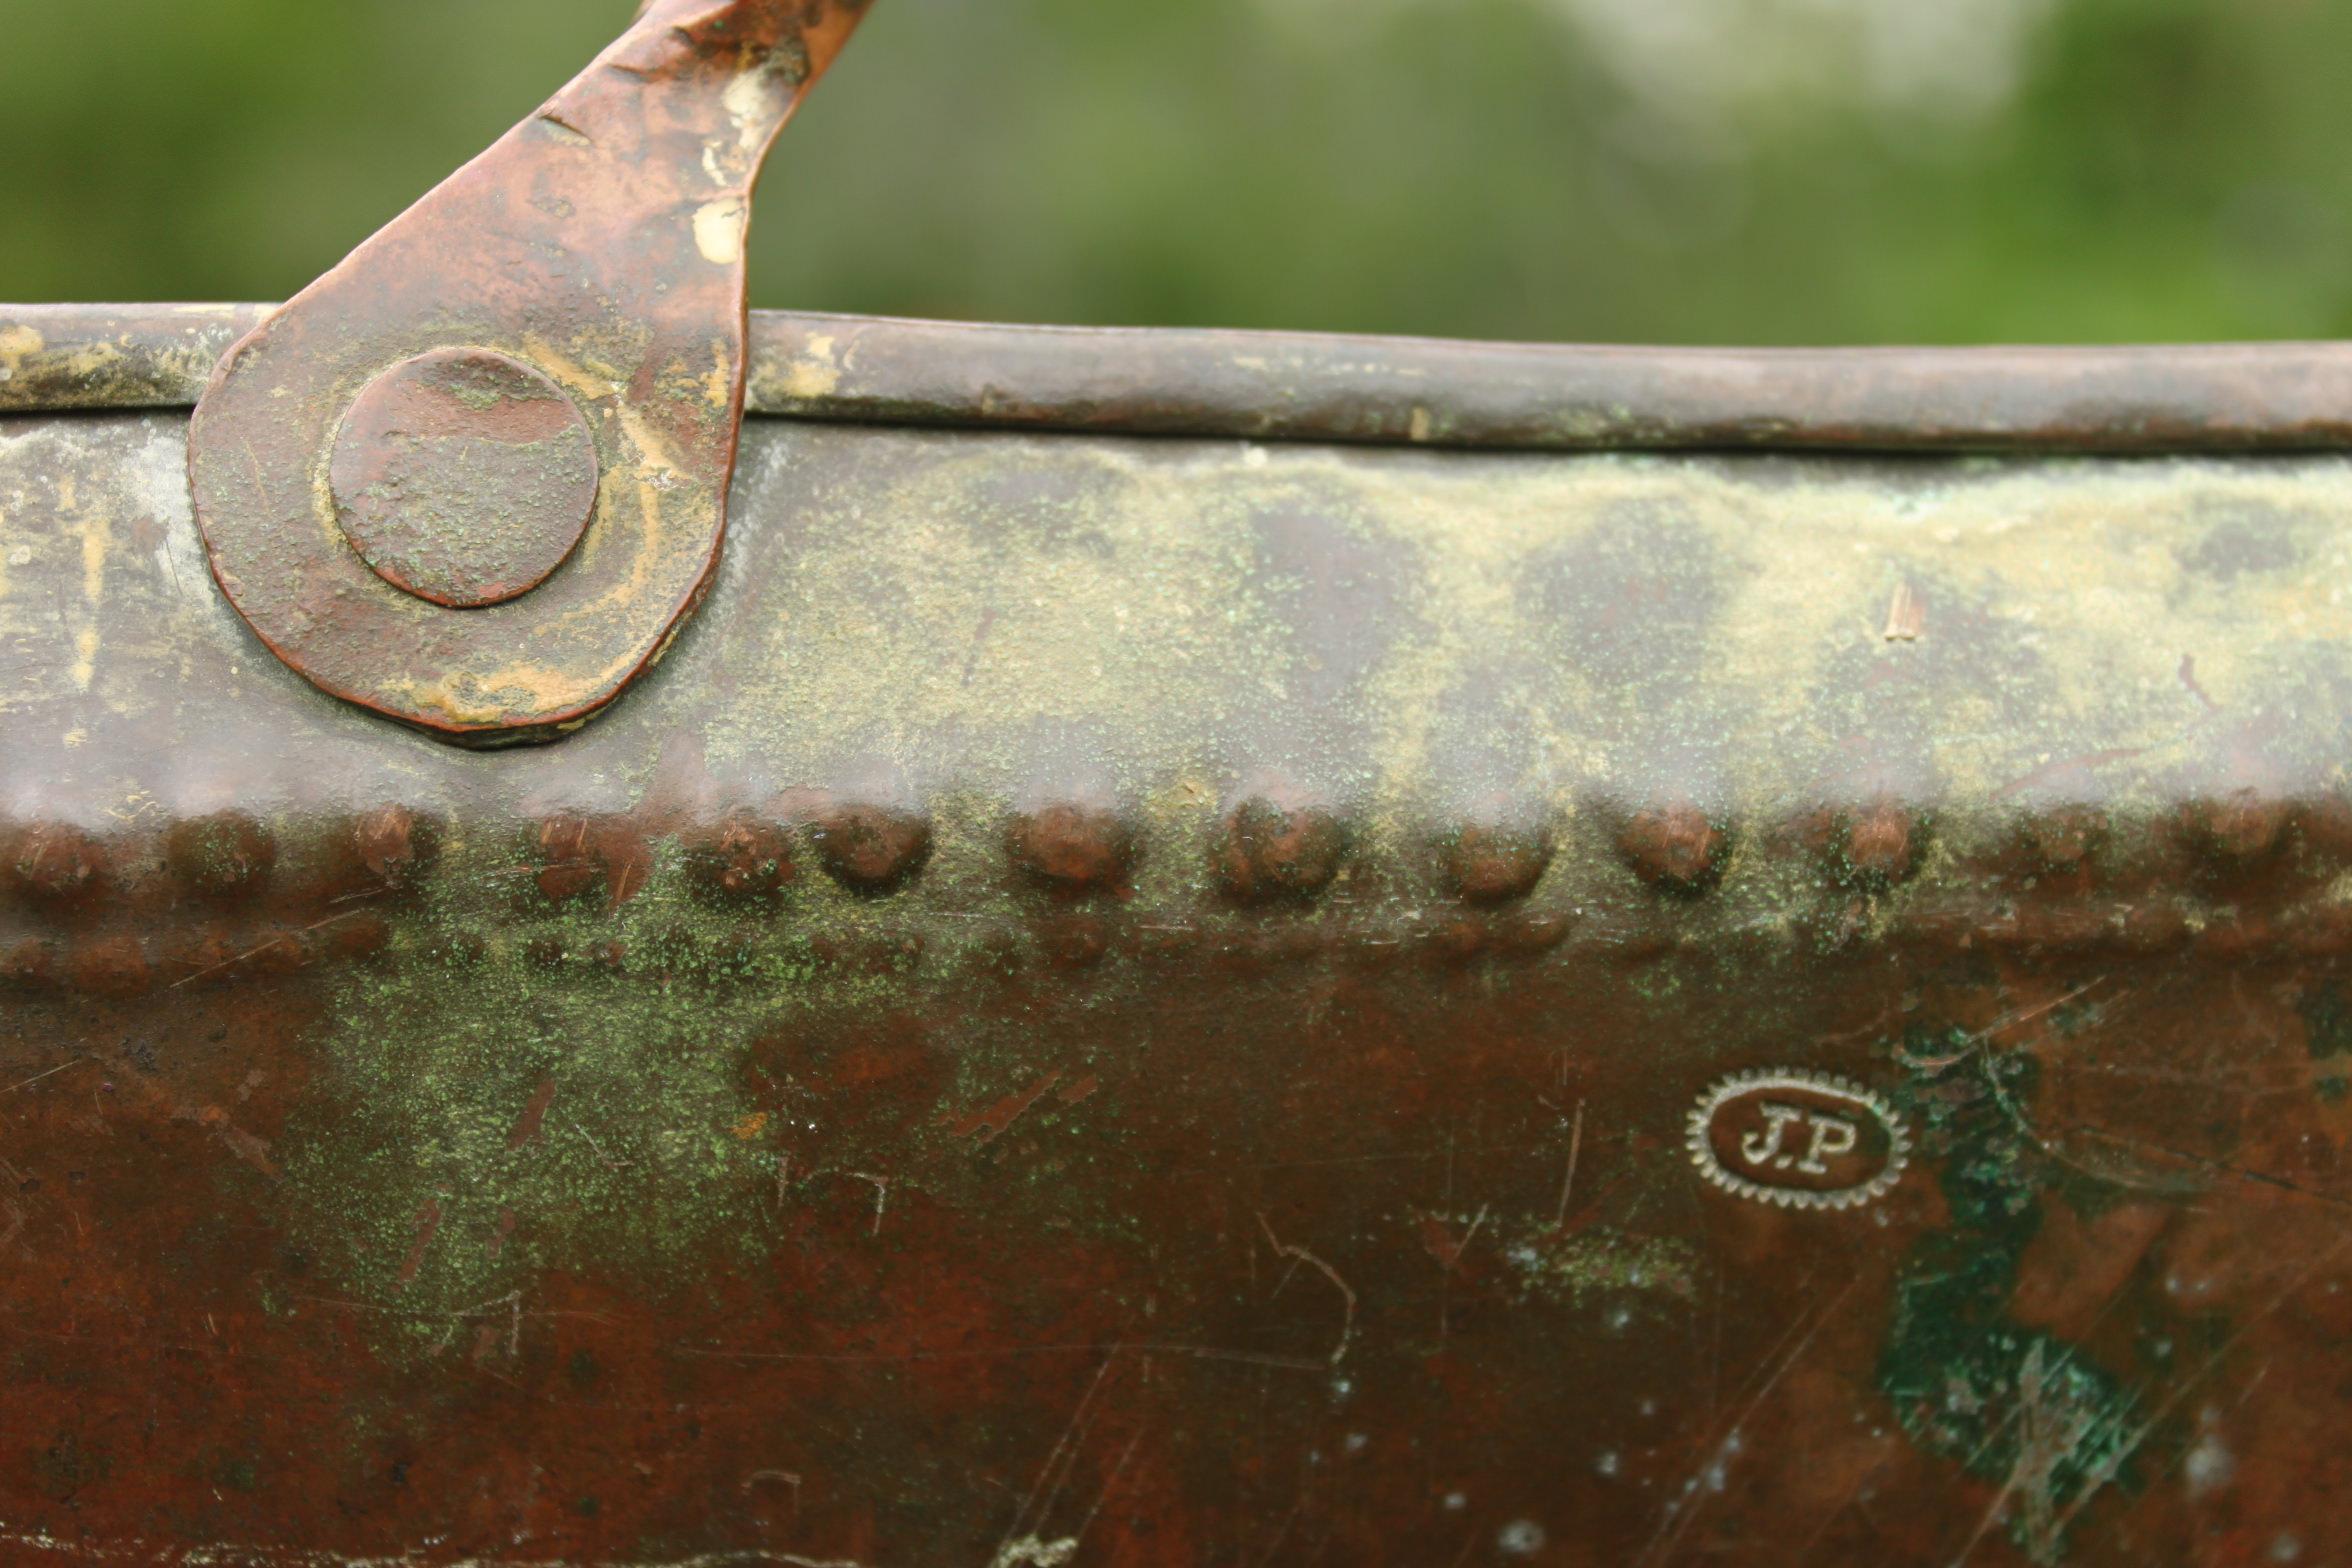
(1670,170)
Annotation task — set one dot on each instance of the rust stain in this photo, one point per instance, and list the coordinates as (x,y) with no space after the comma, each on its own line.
(1906,617)
(526,1127)
(428,1224)
(992,1123)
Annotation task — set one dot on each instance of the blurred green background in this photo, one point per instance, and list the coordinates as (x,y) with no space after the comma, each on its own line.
(1751,171)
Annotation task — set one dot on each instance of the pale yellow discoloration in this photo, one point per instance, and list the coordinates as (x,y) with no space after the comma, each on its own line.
(656,462)
(653,471)
(85,665)
(97,539)
(18,344)
(974,634)
(619,574)
(536,685)
(463,701)
(570,371)
(599,384)
(755,101)
(84,363)
(610,533)
(750,103)
(718,388)
(815,372)
(1560,630)
(719,228)
(569,135)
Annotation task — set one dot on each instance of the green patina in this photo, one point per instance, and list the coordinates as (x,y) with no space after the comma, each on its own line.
(2327,1024)
(2017,1406)
(1602,1259)
(580,1090)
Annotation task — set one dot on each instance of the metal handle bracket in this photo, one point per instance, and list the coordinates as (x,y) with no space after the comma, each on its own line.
(475,478)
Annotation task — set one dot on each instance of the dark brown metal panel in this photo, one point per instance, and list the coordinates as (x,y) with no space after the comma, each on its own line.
(1152,1002)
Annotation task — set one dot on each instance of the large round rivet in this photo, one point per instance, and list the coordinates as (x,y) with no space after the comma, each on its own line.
(571,867)
(741,858)
(1072,847)
(1881,846)
(2242,826)
(1675,846)
(223,854)
(389,842)
(2061,840)
(60,864)
(1279,844)
(1494,862)
(869,847)
(464,476)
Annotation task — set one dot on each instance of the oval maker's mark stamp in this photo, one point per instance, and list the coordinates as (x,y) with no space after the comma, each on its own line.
(1798,1140)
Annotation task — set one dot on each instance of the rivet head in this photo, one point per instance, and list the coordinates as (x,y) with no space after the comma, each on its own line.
(111,966)
(1073,848)
(29,965)
(2062,839)
(464,477)
(2241,826)
(741,859)
(220,855)
(871,848)
(389,842)
(1879,846)
(1496,862)
(58,864)
(571,869)
(1275,849)
(1674,846)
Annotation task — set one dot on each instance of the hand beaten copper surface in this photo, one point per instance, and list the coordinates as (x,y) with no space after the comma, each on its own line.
(1151,1002)
(1140,1002)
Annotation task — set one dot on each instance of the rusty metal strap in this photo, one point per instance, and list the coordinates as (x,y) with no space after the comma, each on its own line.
(1395,391)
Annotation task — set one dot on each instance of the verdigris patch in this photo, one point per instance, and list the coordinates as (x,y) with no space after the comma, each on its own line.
(2014,1405)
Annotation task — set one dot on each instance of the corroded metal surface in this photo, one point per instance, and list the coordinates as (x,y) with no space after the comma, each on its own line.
(1277,386)
(463,477)
(1160,1002)
(59,357)
(556,330)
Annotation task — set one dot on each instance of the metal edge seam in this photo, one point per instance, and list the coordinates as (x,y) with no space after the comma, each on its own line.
(1304,387)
